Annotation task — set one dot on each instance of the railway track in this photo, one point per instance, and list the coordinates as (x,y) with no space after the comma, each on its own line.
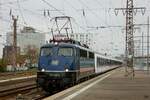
(16,89)
(16,73)
(21,88)
(12,87)
(8,75)
(25,88)
(25,93)
(30,92)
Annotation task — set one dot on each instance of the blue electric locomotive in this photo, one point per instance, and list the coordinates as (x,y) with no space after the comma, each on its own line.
(62,63)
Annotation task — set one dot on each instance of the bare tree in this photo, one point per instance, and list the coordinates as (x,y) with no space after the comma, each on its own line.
(32,55)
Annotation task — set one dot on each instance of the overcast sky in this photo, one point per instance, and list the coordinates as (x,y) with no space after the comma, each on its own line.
(96,13)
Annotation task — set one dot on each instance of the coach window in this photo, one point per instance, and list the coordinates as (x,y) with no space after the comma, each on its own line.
(100,61)
(91,55)
(103,61)
(83,53)
(108,62)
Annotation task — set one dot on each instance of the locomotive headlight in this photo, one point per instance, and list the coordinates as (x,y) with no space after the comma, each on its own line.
(43,70)
(56,43)
(66,70)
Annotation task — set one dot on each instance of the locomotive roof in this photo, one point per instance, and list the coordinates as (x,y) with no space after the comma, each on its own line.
(78,46)
(66,44)
(59,44)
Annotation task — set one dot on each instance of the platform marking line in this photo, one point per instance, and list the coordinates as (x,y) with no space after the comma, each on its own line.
(85,88)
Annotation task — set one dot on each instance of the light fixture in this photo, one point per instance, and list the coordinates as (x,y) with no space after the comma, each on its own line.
(43,70)
(66,70)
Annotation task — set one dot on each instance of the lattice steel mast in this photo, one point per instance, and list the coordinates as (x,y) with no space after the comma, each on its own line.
(129,11)
(129,35)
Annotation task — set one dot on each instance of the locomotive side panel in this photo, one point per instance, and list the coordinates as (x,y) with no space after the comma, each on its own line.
(87,64)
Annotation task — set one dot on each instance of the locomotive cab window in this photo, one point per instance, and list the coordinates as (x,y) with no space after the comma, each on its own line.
(65,51)
(46,51)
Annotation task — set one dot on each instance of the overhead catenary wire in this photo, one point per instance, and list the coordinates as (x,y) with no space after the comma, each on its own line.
(13,2)
(24,10)
(94,13)
(84,13)
(89,10)
(27,10)
(53,7)
(18,3)
(99,3)
(50,6)
(8,21)
(60,12)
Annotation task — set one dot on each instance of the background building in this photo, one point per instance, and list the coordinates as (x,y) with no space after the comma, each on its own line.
(7,53)
(86,38)
(27,37)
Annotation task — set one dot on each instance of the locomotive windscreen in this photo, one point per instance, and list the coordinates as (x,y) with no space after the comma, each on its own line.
(65,51)
(46,51)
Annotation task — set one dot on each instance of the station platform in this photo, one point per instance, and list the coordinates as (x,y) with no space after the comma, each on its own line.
(113,85)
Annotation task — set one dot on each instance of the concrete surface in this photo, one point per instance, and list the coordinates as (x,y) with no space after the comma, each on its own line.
(111,86)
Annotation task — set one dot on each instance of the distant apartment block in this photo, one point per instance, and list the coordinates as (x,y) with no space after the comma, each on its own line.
(7,53)
(25,38)
(86,38)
